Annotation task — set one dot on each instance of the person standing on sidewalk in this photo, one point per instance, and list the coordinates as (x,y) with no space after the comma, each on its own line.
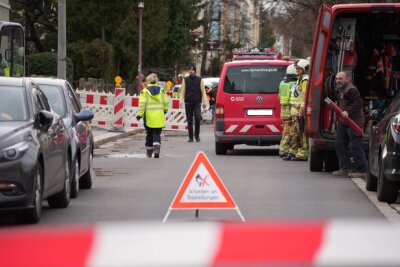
(153,104)
(350,101)
(193,94)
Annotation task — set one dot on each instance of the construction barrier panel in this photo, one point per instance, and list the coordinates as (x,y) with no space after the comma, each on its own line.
(119,103)
(331,243)
(102,105)
(120,110)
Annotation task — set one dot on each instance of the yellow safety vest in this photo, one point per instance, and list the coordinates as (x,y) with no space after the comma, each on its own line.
(298,90)
(284,92)
(153,107)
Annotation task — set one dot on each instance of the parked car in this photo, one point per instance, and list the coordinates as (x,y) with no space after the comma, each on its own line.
(383,173)
(63,100)
(34,151)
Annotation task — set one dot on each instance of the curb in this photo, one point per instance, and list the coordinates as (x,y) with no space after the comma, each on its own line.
(104,140)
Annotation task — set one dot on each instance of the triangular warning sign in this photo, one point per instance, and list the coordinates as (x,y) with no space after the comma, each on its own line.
(202,189)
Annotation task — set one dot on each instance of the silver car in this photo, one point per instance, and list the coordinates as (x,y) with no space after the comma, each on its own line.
(63,100)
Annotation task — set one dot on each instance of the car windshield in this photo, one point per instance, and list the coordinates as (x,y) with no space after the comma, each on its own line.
(56,99)
(253,79)
(12,104)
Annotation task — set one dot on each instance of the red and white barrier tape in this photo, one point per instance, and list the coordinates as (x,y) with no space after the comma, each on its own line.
(336,243)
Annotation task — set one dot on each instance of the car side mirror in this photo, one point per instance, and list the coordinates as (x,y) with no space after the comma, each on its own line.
(44,119)
(84,115)
(376,115)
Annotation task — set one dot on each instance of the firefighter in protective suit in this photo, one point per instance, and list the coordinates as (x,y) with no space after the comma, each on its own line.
(153,104)
(284,100)
(299,141)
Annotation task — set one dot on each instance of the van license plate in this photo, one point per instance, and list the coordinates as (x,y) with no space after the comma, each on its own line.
(259,112)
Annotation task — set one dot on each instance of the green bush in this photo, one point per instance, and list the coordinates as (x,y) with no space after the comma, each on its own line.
(45,64)
(94,59)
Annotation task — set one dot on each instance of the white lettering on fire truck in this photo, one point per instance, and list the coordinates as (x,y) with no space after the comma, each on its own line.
(237,98)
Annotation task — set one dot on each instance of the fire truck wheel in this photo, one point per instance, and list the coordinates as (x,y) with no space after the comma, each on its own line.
(371,182)
(220,148)
(331,162)
(387,190)
(316,160)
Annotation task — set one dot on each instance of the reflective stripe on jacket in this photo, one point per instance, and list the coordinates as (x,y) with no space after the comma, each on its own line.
(153,107)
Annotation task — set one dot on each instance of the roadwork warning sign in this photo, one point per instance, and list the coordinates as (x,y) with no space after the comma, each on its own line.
(202,188)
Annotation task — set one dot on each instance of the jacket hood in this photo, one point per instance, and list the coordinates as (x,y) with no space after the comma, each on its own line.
(154,89)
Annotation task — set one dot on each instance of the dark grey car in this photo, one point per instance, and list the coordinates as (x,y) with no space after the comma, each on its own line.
(34,151)
(63,100)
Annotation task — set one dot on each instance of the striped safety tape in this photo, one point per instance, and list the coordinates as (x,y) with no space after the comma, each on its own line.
(334,243)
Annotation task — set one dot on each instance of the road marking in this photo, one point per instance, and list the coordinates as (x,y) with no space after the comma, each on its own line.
(391,212)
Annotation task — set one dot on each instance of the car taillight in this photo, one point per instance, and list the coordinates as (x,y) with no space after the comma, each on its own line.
(396,124)
(219,111)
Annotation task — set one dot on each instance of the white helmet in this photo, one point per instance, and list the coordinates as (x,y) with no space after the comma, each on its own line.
(303,64)
(291,70)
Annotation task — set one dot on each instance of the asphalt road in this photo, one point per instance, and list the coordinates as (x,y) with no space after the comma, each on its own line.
(130,187)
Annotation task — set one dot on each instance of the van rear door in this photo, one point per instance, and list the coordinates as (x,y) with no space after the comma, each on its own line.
(316,73)
(251,98)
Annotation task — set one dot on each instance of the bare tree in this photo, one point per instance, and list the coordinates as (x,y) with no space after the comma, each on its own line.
(297,18)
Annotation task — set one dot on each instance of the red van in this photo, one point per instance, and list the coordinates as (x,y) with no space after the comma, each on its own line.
(351,38)
(247,107)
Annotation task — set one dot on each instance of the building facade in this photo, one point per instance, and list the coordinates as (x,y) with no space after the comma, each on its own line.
(234,22)
(5,10)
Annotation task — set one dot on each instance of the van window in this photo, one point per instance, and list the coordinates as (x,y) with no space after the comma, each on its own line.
(253,79)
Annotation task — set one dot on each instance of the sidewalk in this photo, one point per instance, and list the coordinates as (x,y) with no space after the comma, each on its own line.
(103,135)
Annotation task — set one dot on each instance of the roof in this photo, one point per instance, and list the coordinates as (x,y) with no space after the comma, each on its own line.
(210,81)
(44,80)
(259,62)
(365,6)
(12,81)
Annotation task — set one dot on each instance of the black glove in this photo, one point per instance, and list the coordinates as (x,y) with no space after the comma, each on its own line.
(138,117)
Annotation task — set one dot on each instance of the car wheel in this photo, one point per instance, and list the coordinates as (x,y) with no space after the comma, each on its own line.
(371,182)
(33,215)
(387,190)
(220,148)
(86,181)
(316,160)
(331,162)
(75,180)
(61,199)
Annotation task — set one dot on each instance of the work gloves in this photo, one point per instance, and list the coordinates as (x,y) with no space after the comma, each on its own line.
(138,117)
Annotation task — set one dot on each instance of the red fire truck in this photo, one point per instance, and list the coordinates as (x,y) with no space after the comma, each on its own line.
(247,106)
(351,38)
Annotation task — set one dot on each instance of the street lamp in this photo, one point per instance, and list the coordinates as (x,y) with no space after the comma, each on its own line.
(211,43)
(196,35)
(140,75)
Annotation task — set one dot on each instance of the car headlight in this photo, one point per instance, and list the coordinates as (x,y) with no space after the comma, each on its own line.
(15,151)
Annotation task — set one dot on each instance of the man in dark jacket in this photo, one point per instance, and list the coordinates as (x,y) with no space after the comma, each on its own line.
(193,94)
(350,101)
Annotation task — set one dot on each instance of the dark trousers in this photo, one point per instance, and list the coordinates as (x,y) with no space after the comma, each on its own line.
(345,139)
(193,109)
(153,137)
